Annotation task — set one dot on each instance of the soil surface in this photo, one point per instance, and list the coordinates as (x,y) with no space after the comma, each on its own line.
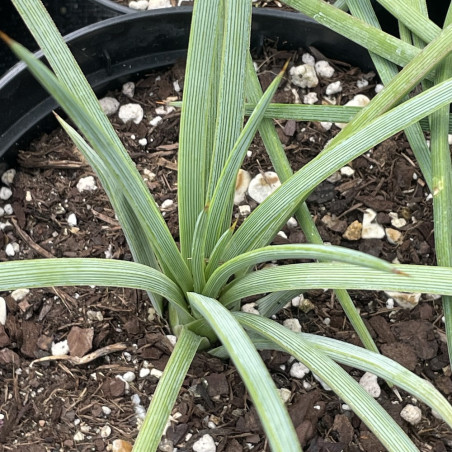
(96,394)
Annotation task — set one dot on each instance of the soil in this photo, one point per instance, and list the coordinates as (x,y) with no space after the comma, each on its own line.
(80,403)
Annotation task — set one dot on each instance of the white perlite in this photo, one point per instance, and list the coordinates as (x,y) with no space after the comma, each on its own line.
(362,83)
(205,444)
(129,377)
(142,141)
(8,209)
(59,348)
(109,105)
(131,112)
(263,185)
(299,370)
(8,176)
(140,5)
(307,58)
(156,121)
(154,4)
(326,125)
(333,88)
(347,171)
(412,414)
(310,98)
(9,250)
(360,100)
(244,210)
(128,89)
(371,229)
(86,184)
(324,69)
(72,220)
(2,311)
(164,110)
(5,193)
(140,410)
(19,294)
(369,382)
(105,431)
(293,325)
(241,186)
(303,76)
(285,394)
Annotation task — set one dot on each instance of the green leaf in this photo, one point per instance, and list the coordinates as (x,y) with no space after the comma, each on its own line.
(166,393)
(196,118)
(417,278)
(282,252)
(365,406)
(272,413)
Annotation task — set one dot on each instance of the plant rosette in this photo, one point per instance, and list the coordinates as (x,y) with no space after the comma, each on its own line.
(199,286)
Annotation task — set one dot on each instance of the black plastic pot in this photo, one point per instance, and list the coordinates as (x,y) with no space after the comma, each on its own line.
(69,15)
(123,48)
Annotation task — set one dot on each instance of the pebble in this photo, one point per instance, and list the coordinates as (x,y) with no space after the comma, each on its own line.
(205,444)
(398,222)
(119,445)
(250,308)
(105,431)
(141,5)
(371,229)
(263,185)
(285,394)
(156,373)
(8,176)
(131,112)
(369,382)
(412,414)
(128,89)
(244,210)
(106,410)
(293,325)
(156,121)
(79,436)
(306,305)
(72,220)
(2,311)
(139,409)
(60,348)
(144,372)
(390,303)
(86,184)
(167,204)
(5,193)
(335,177)
(299,370)
(241,186)
(324,69)
(129,377)
(333,88)
(347,171)
(95,315)
(307,58)
(353,231)
(404,299)
(310,98)
(172,339)
(2,212)
(8,209)
(154,4)
(394,236)
(142,141)
(109,105)
(292,223)
(303,76)
(19,294)
(379,87)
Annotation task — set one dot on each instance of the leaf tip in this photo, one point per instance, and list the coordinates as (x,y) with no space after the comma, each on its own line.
(399,272)
(6,38)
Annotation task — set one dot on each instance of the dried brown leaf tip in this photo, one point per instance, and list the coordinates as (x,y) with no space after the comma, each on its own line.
(6,38)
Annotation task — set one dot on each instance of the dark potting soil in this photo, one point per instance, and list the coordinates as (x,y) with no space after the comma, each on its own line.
(79,403)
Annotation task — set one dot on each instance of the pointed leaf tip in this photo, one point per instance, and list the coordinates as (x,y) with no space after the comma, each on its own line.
(6,38)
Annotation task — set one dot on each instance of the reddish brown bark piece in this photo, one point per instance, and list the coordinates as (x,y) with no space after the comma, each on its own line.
(80,341)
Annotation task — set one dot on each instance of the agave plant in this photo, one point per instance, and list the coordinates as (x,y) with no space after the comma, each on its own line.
(199,287)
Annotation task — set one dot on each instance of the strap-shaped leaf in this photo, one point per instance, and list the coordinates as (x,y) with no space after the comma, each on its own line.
(272,413)
(124,171)
(365,406)
(165,395)
(279,252)
(262,225)
(196,118)
(87,272)
(418,278)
